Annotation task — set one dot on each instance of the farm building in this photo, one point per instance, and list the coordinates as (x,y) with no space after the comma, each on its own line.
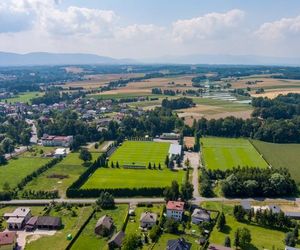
(104,225)
(8,240)
(148,220)
(169,136)
(178,244)
(175,150)
(200,215)
(56,141)
(18,218)
(60,153)
(48,222)
(175,209)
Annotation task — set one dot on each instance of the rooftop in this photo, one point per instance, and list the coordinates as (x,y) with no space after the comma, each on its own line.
(19,212)
(175,149)
(7,238)
(175,205)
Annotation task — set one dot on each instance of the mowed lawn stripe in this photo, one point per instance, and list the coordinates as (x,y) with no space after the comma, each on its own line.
(141,153)
(130,178)
(226,153)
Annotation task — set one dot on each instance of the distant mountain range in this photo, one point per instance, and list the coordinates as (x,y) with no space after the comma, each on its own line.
(43,58)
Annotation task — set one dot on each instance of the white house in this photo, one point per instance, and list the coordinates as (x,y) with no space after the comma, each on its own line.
(200,215)
(17,219)
(56,141)
(175,149)
(60,153)
(175,210)
(148,220)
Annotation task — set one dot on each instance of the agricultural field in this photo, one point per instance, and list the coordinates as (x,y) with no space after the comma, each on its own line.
(281,155)
(17,169)
(262,237)
(24,97)
(225,153)
(61,176)
(89,240)
(140,153)
(71,225)
(132,178)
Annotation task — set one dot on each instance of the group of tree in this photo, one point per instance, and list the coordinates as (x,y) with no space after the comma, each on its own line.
(251,182)
(242,237)
(105,201)
(54,96)
(174,192)
(291,238)
(170,92)
(179,103)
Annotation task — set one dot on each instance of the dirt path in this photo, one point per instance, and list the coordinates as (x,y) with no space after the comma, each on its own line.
(194,160)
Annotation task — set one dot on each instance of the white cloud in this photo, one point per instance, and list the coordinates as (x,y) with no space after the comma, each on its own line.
(210,26)
(78,21)
(140,32)
(281,29)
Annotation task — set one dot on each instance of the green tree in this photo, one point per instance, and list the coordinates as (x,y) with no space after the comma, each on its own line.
(172,193)
(227,242)
(132,241)
(187,190)
(171,226)
(221,222)
(154,233)
(7,146)
(296,231)
(105,201)
(85,155)
(245,237)
(237,238)
(290,239)
(3,160)
(167,160)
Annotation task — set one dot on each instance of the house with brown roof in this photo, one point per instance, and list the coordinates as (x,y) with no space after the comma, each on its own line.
(175,209)
(48,223)
(116,241)
(8,240)
(104,225)
(148,220)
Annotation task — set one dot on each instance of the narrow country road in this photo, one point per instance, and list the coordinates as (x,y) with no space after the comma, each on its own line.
(194,160)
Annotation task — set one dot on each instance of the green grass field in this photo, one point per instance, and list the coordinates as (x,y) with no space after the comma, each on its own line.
(141,153)
(262,237)
(24,97)
(71,166)
(225,153)
(89,240)
(130,178)
(121,95)
(71,225)
(281,155)
(19,168)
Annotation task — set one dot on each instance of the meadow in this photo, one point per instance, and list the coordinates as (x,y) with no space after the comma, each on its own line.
(71,166)
(132,178)
(225,153)
(89,240)
(24,97)
(281,155)
(262,237)
(17,169)
(141,153)
(71,225)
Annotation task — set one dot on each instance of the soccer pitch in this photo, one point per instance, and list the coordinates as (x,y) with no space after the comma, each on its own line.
(225,153)
(140,153)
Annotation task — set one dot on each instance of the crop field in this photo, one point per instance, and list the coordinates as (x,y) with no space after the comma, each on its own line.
(71,225)
(281,155)
(141,153)
(17,169)
(225,153)
(132,178)
(262,237)
(70,167)
(89,240)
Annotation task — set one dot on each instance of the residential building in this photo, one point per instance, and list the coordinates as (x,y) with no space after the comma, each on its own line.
(175,209)
(17,219)
(148,220)
(56,141)
(60,153)
(104,225)
(178,244)
(246,205)
(116,240)
(293,215)
(8,240)
(200,215)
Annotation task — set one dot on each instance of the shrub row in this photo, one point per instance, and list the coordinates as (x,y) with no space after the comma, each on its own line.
(32,194)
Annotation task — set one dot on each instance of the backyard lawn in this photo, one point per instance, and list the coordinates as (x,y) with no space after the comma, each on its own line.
(281,155)
(132,178)
(225,153)
(71,167)
(71,225)
(141,153)
(89,240)
(262,237)
(17,169)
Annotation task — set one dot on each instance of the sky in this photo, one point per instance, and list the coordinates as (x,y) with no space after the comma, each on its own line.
(149,29)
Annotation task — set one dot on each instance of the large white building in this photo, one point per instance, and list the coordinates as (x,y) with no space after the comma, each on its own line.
(17,219)
(56,141)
